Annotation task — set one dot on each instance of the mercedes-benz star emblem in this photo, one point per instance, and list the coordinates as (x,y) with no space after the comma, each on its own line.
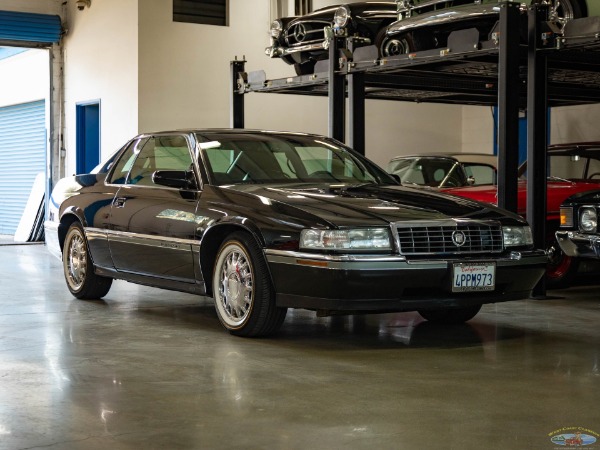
(458,238)
(300,32)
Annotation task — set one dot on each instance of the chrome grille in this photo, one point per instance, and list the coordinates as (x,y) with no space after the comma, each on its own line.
(306,33)
(457,238)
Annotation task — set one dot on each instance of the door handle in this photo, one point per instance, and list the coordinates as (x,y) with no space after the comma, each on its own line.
(119,202)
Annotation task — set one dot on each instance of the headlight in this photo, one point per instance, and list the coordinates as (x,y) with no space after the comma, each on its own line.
(341,17)
(588,219)
(354,239)
(276,29)
(566,216)
(517,236)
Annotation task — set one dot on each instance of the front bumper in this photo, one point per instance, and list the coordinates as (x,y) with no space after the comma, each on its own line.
(392,283)
(278,52)
(574,243)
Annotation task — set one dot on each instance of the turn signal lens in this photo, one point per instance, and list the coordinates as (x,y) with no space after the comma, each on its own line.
(566,216)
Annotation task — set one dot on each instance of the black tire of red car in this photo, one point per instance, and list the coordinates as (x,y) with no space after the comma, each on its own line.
(402,44)
(78,269)
(561,268)
(450,316)
(242,289)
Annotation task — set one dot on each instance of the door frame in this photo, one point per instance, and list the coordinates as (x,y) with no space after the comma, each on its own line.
(81,131)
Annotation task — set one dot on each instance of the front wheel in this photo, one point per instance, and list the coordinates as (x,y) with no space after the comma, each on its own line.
(565,10)
(78,269)
(402,44)
(243,292)
(561,268)
(450,316)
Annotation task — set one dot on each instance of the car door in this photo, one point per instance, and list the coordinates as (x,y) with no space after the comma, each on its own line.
(152,225)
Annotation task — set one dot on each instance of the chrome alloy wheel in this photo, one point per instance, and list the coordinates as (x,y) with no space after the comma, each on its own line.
(235,296)
(76,260)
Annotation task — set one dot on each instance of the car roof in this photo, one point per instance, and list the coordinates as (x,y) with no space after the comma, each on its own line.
(471,157)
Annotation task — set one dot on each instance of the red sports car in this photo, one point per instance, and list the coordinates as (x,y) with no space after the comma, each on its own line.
(572,168)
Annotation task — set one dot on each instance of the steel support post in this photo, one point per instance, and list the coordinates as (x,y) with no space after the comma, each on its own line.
(337,93)
(236,110)
(537,132)
(356,111)
(508,105)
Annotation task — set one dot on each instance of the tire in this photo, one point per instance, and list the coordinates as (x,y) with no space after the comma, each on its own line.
(242,289)
(78,268)
(450,316)
(403,43)
(561,269)
(305,68)
(567,10)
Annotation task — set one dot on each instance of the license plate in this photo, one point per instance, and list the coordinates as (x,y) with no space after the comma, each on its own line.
(468,277)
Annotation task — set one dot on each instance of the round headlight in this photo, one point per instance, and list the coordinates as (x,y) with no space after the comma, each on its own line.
(341,17)
(588,220)
(276,28)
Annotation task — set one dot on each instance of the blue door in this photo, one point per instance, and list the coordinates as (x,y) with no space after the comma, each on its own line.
(88,136)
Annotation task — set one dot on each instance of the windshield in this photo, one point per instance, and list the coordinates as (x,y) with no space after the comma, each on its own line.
(271,158)
(568,167)
(429,171)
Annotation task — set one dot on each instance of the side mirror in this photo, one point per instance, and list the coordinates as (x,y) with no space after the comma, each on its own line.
(471,180)
(179,179)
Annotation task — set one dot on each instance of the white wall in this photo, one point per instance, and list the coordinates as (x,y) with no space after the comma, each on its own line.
(184,82)
(101,63)
(32,6)
(477,129)
(567,124)
(25,78)
(575,124)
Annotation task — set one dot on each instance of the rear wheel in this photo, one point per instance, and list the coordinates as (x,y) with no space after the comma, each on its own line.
(450,316)
(78,268)
(244,295)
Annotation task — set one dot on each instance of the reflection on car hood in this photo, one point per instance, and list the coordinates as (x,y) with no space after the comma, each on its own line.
(366,204)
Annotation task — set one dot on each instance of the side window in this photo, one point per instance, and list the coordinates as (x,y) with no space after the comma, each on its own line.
(481,173)
(160,153)
(125,163)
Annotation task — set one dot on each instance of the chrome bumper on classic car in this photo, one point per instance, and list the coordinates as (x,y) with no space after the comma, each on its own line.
(574,243)
(278,52)
(394,283)
(443,16)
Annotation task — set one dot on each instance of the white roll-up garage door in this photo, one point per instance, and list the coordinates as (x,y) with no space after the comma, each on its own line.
(22,157)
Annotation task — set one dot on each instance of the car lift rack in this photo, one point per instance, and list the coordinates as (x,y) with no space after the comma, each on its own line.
(552,69)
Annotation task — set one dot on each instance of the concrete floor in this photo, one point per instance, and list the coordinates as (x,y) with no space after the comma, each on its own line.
(151,369)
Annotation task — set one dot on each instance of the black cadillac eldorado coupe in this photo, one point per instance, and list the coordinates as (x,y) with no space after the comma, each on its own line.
(265,221)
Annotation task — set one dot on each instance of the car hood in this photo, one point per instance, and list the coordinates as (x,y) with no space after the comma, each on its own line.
(361,205)
(557,192)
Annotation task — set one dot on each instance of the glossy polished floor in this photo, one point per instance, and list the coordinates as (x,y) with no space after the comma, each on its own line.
(151,369)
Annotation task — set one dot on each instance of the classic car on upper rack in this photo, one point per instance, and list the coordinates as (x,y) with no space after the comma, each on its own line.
(445,170)
(399,27)
(427,24)
(578,235)
(572,168)
(265,221)
(301,40)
